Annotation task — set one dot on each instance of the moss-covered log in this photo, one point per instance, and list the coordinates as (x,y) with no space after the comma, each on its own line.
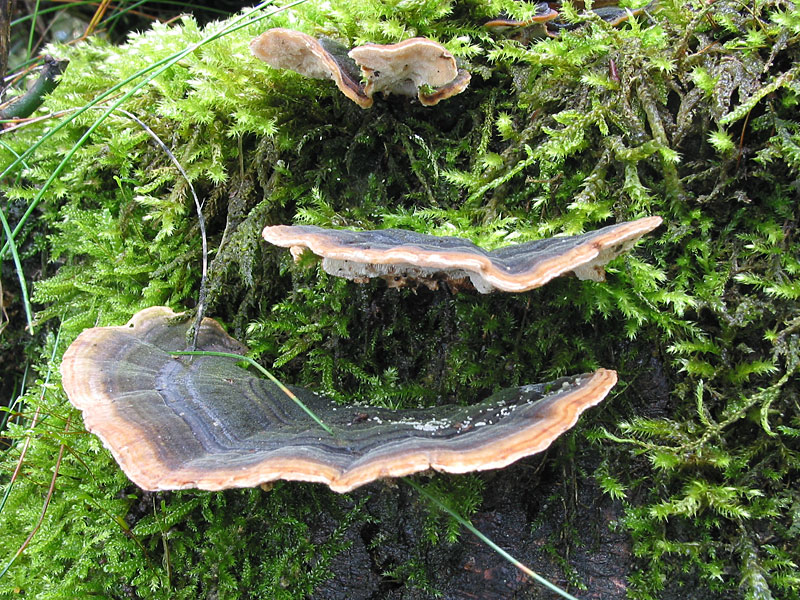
(687,111)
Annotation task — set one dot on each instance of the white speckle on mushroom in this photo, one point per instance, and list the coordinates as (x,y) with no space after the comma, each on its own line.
(432,425)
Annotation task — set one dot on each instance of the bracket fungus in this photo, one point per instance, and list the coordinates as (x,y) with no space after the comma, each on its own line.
(505,23)
(286,49)
(176,422)
(408,67)
(405,257)
(415,67)
(546,22)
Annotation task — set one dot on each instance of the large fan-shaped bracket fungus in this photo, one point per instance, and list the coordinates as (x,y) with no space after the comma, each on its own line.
(204,422)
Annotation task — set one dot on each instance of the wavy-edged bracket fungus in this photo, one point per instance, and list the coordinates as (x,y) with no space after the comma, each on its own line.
(546,22)
(415,67)
(408,67)
(505,22)
(296,51)
(408,258)
(175,422)
(609,12)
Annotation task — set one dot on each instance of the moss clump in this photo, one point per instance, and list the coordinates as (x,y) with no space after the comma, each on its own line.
(688,111)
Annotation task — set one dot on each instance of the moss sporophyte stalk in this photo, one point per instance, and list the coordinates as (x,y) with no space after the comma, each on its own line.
(687,110)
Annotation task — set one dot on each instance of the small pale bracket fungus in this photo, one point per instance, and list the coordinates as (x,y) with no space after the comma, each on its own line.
(286,49)
(416,67)
(177,422)
(405,257)
(408,68)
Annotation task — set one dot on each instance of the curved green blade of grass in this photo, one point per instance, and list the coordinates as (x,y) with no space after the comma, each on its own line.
(13,249)
(35,15)
(18,266)
(266,373)
(14,152)
(44,386)
(486,540)
(8,410)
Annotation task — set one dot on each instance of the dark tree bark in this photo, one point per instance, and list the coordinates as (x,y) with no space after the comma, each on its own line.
(5,35)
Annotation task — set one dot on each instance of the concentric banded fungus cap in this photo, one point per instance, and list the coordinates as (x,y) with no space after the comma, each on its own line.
(402,257)
(204,422)
(286,49)
(407,67)
(614,15)
(505,22)
(609,12)
(546,21)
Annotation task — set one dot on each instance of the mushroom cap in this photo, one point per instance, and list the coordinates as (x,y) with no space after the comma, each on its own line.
(287,49)
(177,422)
(504,22)
(458,85)
(404,67)
(399,255)
(614,15)
(608,11)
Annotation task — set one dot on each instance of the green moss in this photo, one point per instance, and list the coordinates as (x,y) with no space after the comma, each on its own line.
(689,111)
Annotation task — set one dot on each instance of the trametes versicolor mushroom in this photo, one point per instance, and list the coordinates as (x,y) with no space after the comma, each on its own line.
(176,422)
(545,20)
(408,67)
(415,67)
(286,49)
(504,23)
(405,257)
